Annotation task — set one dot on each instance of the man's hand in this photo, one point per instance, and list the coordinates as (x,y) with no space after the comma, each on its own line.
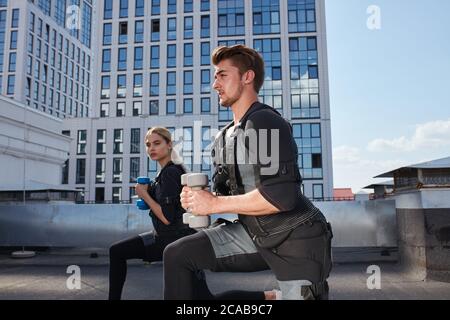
(198,202)
(141,189)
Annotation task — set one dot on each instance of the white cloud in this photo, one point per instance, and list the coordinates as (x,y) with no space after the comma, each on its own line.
(351,168)
(430,135)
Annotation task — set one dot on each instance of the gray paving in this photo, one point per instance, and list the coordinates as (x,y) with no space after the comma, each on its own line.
(45,277)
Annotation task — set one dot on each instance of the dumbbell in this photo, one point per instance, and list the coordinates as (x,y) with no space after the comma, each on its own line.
(196,181)
(141,204)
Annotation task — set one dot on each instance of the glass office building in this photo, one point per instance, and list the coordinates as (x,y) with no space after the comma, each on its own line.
(153,67)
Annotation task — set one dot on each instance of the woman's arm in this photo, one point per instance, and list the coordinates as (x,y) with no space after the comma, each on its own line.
(141,191)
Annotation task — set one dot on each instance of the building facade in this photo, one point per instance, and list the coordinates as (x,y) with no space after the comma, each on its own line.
(152,68)
(46,55)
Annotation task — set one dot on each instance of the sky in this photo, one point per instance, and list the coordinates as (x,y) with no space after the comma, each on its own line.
(389,86)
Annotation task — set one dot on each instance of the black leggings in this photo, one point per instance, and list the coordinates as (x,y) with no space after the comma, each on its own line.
(133,248)
(119,253)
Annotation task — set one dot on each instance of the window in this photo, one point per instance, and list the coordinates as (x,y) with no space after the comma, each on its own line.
(123,12)
(100,168)
(171,83)
(204,32)
(154,52)
(81,171)
(15,18)
(122,59)
(205,105)
(172,29)
(188,25)
(318,191)
(156,7)
(118,141)
(36,91)
(117,170)
(107,9)
(28,88)
(107,34)
(137,108)
(266,17)
(81,142)
(154,84)
(106,60)
(187,106)
(205,54)
(188,5)
(231,18)
(135,141)
(154,107)
(308,139)
(187,81)
(204,5)
(171,6)
(171,55)
(134,169)
(206,81)
(105,94)
(116,194)
(155,30)
(121,86)
(101,141)
(301,16)
(170,106)
(139,8)
(30,44)
(29,65)
(138,58)
(120,110)
(139,31)
(271,92)
(123,32)
(104,110)
(65,172)
(31,22)
(11,84)
(137,85)
(188,52)
(12,62)
(304,77)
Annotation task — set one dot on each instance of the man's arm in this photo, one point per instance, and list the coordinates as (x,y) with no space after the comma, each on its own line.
(203,202)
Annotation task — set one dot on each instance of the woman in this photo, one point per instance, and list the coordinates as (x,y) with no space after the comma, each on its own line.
(165,210)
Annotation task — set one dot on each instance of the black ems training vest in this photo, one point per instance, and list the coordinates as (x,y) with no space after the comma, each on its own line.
(177,227)
(233,178)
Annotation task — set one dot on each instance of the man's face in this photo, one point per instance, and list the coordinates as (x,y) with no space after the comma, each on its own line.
(228,83)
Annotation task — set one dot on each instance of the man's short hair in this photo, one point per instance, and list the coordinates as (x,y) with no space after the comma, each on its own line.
(243,58)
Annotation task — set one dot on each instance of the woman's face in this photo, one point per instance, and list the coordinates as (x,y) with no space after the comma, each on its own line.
(157,147)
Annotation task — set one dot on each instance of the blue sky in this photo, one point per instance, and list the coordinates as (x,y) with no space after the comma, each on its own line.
(389,88)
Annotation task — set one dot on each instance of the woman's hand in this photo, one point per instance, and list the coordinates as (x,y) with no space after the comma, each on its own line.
(141,189)
(198,202)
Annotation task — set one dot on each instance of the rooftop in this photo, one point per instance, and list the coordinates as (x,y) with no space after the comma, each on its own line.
(443,163)
(45,276)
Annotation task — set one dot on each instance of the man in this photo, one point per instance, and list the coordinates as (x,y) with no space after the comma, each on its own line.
(278,228)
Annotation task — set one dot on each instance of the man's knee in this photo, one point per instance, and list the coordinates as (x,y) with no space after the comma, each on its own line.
(175,252)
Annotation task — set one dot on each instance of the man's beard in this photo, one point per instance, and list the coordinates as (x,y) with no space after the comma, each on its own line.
(230,101)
